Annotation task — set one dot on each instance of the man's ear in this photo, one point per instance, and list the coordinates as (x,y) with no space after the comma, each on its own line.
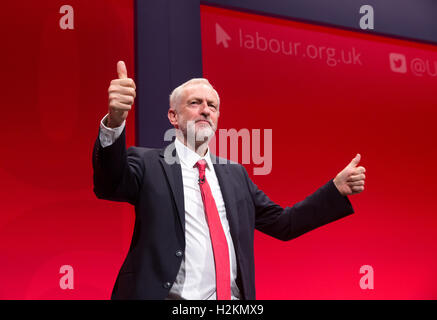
(173,117)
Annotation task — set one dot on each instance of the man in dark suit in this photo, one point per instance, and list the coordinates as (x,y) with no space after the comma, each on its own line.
(195,213)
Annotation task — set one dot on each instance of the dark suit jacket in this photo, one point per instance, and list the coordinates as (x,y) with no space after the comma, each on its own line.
(142,177)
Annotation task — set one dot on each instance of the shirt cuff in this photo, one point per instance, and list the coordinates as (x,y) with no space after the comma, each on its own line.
(107,135)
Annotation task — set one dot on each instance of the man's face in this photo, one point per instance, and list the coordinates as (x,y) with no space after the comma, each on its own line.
(197,112)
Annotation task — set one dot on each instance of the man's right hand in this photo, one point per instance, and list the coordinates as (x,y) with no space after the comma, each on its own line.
(121,97)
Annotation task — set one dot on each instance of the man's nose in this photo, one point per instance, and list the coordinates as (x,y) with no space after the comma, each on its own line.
(204,109)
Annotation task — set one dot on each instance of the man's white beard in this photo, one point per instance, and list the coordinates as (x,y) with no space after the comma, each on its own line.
(203,134)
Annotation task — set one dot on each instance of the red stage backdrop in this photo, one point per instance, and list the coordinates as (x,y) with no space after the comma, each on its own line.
(326,95)
(55,84)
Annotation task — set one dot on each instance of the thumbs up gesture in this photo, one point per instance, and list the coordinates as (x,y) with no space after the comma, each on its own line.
(121,97)
(351,179)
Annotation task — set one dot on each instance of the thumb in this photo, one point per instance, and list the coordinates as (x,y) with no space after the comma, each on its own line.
(355,161)
(121,70)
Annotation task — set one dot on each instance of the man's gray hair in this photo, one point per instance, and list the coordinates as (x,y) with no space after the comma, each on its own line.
(177,92)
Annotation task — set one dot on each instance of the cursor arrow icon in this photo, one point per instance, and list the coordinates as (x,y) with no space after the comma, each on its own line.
(221,36)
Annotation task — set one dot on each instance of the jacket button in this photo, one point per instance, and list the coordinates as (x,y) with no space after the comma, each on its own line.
(178,253)
(167,285)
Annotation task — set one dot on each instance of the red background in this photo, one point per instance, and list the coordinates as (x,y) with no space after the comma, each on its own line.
(55,86)
(321,117)
(55,93)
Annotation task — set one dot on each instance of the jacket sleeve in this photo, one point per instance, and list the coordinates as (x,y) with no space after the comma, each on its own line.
(117,172)
(323,206)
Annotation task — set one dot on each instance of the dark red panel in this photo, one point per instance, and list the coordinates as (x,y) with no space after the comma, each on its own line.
(55,85)
(330,96)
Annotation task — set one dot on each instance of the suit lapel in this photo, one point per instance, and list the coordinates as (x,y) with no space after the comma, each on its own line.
(228,193)
(173,172)
(174,176)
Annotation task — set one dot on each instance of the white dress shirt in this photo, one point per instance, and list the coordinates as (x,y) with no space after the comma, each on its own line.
(196,277)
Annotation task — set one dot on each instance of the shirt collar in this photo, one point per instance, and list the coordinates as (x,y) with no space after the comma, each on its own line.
(189,158)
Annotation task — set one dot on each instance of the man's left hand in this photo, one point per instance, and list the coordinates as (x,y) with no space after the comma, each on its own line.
(351,179)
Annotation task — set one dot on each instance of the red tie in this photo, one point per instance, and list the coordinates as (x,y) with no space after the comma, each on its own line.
(218,238)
